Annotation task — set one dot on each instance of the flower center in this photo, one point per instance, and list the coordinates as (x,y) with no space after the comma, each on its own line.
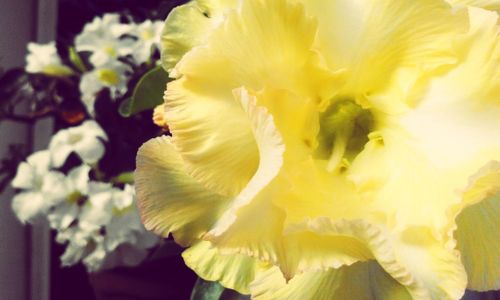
(121,212)
(344,129)
(75,138)
(147,35)
(109,77)
(110,50)
(76,197)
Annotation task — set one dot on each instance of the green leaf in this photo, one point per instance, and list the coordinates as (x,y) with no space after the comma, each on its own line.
(211,290)
(206,290)
(148,93)
(125,177)
(125,108)
(76,60)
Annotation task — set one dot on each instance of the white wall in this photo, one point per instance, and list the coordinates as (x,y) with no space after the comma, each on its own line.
(24,253)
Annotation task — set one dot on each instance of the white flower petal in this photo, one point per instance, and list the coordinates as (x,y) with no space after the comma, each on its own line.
(25,177)
(63,215)
(90,150)
(79,178)
(28,206)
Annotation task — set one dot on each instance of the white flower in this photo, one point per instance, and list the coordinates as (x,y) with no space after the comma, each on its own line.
(95,260)
(108,232)
(112,75)
(43,58)
(76,186)
(126,240)
(41,187)
(85,140)
(102,37)
(84,238)
(78,246)
(98,210)
(148,36)
(126,225)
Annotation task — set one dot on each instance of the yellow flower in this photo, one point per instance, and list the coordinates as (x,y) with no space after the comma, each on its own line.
(331,149)
(159,117)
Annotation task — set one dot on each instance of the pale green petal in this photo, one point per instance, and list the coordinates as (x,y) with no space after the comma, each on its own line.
(169,200)
(234,271)
(361,281)
(478,229)
(190,25)
(478,240)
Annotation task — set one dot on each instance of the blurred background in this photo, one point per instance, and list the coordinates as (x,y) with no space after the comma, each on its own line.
(29,257)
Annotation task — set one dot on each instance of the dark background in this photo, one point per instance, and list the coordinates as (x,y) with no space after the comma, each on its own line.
(166,278)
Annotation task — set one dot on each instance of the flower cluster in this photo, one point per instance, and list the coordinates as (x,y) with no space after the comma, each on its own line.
(113,49)
(331,149)
(96,219)
(82,185)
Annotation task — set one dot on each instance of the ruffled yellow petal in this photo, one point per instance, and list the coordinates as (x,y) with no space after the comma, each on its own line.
(308,251)
(301,190)
(271,148)
(254,49)
(417,260)
(479,54)
(256,231)
(295,117)
(237,231)
(159,117)
(433,270)
(372,39)
(361,281)
(478,229)
(208,126)
(214,137)
(232,271)
(482,185)
(170,200)
(259,231)
(486,4)
(190,25)
(308,191)
(399,185)
(424,157)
